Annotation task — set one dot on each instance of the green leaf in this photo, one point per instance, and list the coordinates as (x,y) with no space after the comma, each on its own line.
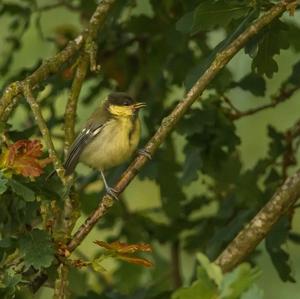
(225,234)
(21,190)
(209,277)
(253,83)
(8,283)
(37,249)
(280,258)
(5,242)
(133,276)
(193,163)
(170,188)
(211,283)
(197,71)
(276,146)
(238,281)
(213,271)
(209,14)
(211,143)
(97,264)
(295,76)
(253,293)
(185,23)
(3,183)
(268,44)
(203,289)
(293,36)
(218,13)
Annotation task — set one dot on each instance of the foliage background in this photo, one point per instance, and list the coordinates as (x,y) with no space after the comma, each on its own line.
(36,44)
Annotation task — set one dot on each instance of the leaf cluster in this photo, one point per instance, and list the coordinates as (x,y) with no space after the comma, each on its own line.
(156,50)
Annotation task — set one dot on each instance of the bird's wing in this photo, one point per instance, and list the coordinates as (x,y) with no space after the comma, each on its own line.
(84,137)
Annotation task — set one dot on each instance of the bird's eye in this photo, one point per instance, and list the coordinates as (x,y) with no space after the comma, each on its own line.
(126,103)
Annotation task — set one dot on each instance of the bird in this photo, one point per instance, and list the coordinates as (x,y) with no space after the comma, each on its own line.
(109,137)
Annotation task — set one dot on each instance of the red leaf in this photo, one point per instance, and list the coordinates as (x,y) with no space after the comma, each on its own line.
(22,158)
(124,247)
(123,251)
(135,260)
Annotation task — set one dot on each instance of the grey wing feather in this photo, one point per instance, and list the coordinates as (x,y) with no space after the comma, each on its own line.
(85,136)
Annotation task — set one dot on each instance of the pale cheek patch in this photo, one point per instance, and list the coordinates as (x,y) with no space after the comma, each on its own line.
(120,110)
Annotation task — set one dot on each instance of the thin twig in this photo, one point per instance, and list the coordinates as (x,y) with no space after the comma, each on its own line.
(87,57)
(170,121)
(49,67)
(61,283)
(230,104)
(284,94)
(44,131)
(175,264)
(53,65)
(9,109)
(70,112)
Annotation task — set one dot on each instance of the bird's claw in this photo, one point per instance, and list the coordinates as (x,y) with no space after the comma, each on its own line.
(145,153)
(112,192)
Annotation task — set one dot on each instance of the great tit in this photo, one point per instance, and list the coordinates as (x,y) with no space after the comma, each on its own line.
(109,137)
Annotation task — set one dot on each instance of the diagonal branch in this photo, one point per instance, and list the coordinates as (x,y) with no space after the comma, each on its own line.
(171,120)
(256,230)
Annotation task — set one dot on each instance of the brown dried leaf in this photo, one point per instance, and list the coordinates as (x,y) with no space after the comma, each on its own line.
(22,158)
(124,247)
(135,260)
(123,251)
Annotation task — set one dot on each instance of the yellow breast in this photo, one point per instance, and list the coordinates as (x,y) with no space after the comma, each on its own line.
(114,144)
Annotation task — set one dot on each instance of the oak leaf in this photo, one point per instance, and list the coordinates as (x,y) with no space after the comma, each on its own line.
(124,251)
(23,157)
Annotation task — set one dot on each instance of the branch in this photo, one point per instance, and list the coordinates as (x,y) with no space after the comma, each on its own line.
(9,109)
(61,283)
(87,57)
(48,68)
(255,231)
(44,130)
(54,64)
(175,262)
(71,107)
(170,121)
(284,94)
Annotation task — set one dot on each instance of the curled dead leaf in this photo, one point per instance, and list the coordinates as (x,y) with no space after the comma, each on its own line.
(124,251)
(22,157)
(124,247)
(135,260)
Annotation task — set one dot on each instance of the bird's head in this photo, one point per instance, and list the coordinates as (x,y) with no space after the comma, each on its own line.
(120,104)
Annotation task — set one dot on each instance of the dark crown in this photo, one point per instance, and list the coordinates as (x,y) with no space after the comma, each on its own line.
(120,99)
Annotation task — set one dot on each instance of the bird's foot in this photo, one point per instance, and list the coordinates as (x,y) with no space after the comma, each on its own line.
(112,192)
(145,153)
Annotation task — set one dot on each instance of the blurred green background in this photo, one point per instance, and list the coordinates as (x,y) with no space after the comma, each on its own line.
(252,131)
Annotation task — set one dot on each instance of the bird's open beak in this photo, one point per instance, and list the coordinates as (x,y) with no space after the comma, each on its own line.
(139,106)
